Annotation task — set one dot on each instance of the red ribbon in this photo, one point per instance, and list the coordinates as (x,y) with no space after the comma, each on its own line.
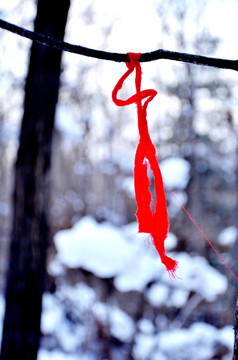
(155,222)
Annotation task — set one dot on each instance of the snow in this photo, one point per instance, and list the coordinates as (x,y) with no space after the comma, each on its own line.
(171,241)
(53,322)
(196,342)
(108,251)
(161,295)
(52,314)
(56,268)
(226,336)
(145,326)
(2,310)
(228,236)
(178,298)
(81,296)
(59,355)
(143,347)
(197,275)
(78,302)
(175,172)
(158,294)
(98,248)
(142,269)
(129,257)
(121,325)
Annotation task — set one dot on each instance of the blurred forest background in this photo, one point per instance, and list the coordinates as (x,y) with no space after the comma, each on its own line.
(124,306)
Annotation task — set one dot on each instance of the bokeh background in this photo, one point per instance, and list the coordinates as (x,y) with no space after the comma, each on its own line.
(108,296)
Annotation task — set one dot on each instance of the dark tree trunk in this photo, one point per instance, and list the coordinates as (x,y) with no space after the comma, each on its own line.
(30,230)
(235,354)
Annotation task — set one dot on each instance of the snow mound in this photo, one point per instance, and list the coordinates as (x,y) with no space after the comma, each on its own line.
(121,325)
(197,275)
(58,355)
(2,311)
(228,236)
(133,262)
(99,248)
(196,342)
(160,294)
(143,268)
(175,172)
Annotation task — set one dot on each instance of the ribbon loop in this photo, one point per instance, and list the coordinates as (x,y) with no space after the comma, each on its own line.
(153,221)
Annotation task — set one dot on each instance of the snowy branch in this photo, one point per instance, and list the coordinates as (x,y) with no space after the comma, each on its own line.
(103,55)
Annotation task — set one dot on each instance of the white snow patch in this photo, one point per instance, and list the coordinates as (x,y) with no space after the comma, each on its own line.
(70,338)
(99,248)
(121,324)
(56,268)
(54,322)
(144,266)
(144,345)
(145,326)
(81,296)
(226,336)
(193,343)
(178,298)
(171,241)
(228,236)
(175,172)
(2,311)
(57,355)
(197,275)
(197,342)
(158,294)
(52,314)
(108,251)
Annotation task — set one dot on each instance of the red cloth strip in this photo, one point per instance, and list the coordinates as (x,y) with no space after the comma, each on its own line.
(153,221)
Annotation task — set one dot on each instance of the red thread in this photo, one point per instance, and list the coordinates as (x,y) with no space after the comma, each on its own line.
(201,231)
(155,222)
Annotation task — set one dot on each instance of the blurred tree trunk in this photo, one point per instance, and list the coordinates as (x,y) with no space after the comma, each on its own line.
(30,228)
(235,354)
(234,254)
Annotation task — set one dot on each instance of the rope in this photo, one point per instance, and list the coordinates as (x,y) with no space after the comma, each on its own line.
(104,55)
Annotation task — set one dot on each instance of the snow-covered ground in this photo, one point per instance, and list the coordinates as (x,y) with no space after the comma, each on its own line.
(72,313)
(128,258)
(198,342)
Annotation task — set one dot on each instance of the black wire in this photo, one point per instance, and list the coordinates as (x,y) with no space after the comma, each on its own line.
(104,55)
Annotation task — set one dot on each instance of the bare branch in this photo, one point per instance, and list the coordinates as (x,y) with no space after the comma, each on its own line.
(104,55)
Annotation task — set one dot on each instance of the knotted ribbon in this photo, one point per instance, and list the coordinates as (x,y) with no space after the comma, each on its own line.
(155,222)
